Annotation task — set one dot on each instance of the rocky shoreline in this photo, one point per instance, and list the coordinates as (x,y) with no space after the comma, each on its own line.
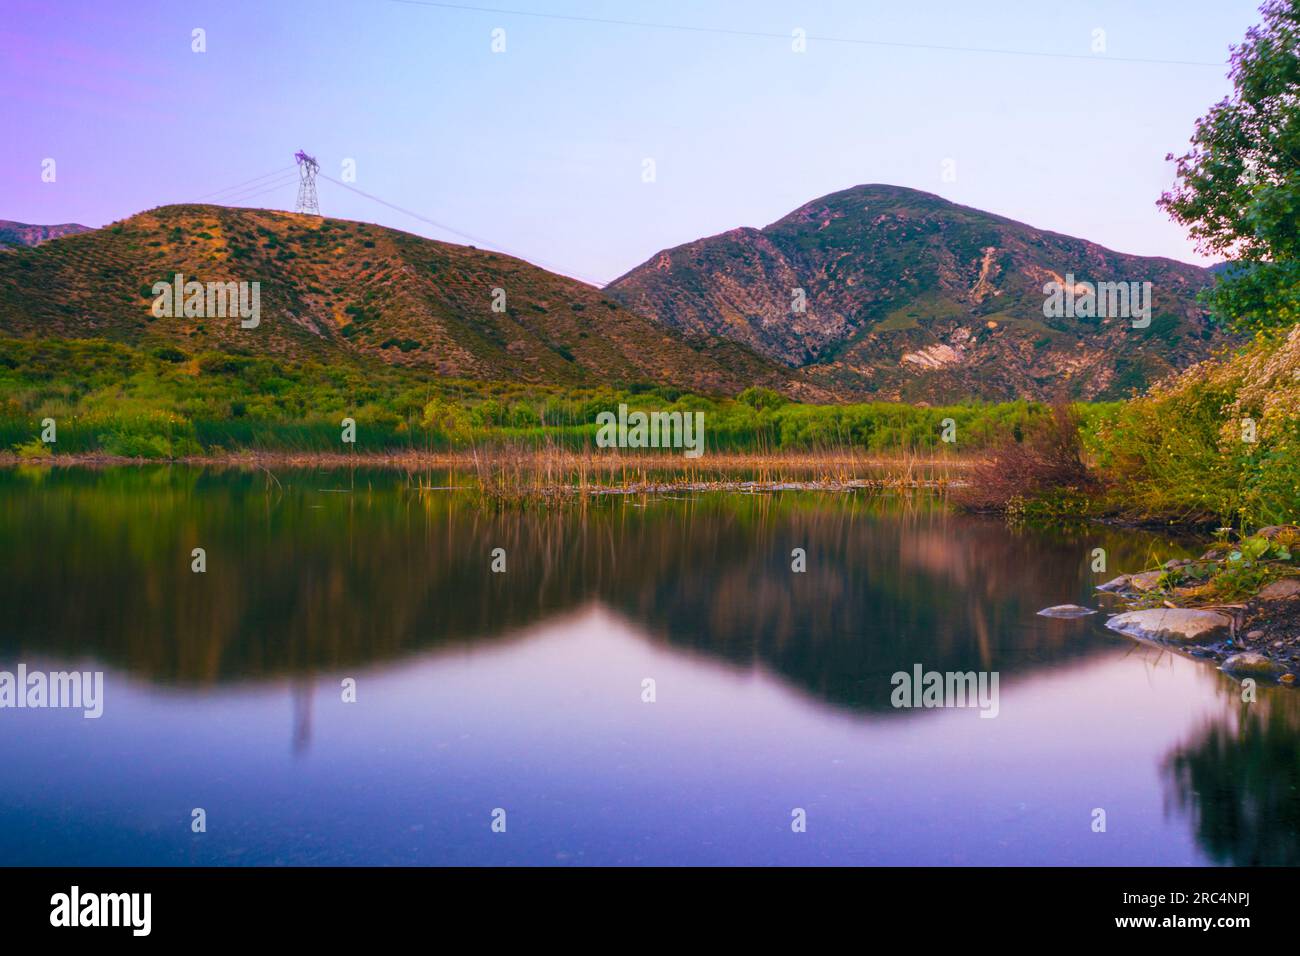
(1238,605)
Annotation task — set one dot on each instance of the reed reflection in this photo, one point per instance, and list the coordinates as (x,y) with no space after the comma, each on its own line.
(311,572)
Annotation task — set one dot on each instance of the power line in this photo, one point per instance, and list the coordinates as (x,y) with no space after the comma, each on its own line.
(236,187)
(258,190)
(463,235)
(276,188)
(281,179)
(759,34)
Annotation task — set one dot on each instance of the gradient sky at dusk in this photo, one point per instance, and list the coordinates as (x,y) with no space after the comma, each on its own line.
(540,149)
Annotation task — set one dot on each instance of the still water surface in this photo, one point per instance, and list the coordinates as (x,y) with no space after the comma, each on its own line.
(523,690)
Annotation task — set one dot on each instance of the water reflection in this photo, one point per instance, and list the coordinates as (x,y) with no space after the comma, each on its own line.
(318,571)
(527,683)
(1237,778)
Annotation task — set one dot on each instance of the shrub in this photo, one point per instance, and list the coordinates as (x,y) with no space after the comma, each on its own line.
(33,450)
(1184,450)
(1046,467)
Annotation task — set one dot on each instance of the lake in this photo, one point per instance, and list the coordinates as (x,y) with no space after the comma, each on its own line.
(518,700)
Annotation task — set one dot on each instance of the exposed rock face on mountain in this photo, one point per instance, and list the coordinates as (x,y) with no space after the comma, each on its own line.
(906,295)
(25,234)
(332,290)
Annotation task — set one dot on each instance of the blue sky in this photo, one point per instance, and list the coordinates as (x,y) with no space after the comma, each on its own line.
(540,149)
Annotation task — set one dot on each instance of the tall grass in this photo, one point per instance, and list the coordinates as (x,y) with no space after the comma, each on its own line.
(159,402)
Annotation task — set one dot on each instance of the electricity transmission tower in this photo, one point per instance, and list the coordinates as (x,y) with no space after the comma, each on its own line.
(307,167)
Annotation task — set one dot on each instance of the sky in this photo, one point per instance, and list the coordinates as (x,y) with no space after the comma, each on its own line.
(541,149)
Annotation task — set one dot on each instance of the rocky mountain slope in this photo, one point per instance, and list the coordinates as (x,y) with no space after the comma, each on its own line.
(907,295)
(333,290)
(26,234)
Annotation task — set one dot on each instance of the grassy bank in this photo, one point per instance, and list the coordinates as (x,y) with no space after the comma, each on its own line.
(1220,442)
(159,402)
(1216,446)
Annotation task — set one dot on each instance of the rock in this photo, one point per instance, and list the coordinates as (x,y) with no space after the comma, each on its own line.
(1284,588)
(1254,635)
(1273,530)
(1176,625)
(1250,664)
(1147,580)
(1176,563)
(1216,554)
(1287,678)
(1066,610)
(1115,584)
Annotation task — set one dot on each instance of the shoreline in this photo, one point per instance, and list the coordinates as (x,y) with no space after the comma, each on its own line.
(531,475)
(1237,606)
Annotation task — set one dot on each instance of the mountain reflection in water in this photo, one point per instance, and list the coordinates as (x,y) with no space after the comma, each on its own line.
(773,686)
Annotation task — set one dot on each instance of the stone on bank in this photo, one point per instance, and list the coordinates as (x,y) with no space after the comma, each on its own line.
(1174,625)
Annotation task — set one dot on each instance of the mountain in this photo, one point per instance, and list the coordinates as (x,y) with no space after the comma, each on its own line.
(25,234)
(333,289)
(909,296)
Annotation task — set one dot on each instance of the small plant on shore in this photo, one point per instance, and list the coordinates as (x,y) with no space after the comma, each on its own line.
(1256,548)
(33,450)
(1239,573)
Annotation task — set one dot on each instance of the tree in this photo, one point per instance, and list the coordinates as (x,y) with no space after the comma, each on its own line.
(759,398)
(1238,189)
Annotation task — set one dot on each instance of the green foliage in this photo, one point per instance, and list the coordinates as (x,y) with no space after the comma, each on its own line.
(154,401)
(1238,189)
(33,450)
(1253,563)
(1051,507)
(448,421)
(1240,581)
(760,398)
(1185,449)
(1258,548)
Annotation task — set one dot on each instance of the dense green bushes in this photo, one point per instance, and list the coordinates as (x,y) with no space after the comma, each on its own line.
(1179,452)
(155,401)
(1220,441)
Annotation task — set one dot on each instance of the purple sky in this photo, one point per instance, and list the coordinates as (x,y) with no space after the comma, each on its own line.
(540,150)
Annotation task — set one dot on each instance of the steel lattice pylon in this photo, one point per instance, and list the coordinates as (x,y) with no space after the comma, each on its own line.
(307,167)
